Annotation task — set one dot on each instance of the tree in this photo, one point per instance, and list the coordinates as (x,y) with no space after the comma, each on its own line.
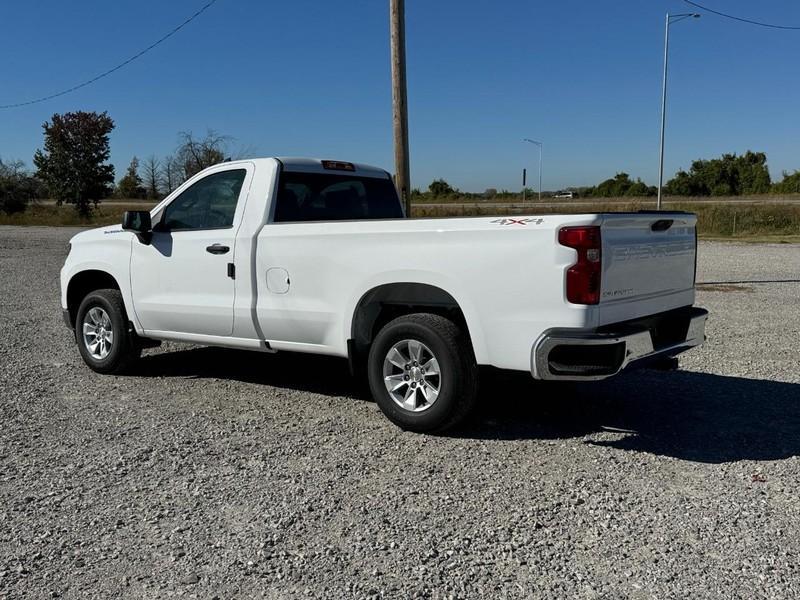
(753,173)
(790,184)
(640,189)
(614,187)
(682,184)
(17,187)
(618,186)
(729,175)
(152,177)
(440,187)
(73,162)
(130,186)
(171,174)
(195,154)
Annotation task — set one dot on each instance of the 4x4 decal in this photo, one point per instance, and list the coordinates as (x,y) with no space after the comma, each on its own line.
(523,221)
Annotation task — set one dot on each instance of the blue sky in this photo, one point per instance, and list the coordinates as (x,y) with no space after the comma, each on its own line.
(311,78)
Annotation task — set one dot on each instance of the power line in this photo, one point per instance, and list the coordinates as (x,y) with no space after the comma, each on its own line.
(119,66)
(742,20)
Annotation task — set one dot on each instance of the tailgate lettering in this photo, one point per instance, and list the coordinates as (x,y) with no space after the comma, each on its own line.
(648,251)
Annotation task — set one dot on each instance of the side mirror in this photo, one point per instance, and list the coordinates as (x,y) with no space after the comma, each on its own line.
(138,221)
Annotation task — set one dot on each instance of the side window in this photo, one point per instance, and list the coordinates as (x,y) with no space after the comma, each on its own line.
(208,204)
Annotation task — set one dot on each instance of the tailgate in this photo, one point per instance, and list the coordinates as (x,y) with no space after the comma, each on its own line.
(648,263)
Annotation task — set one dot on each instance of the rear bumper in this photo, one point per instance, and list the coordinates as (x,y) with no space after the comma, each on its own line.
(564,354)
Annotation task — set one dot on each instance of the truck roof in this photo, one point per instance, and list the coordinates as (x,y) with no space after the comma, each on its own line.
(318,165)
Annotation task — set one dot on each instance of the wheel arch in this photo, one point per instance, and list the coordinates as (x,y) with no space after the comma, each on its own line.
(85,282)
(387,301)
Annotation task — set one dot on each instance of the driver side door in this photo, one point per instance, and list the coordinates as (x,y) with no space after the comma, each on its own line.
(182,281)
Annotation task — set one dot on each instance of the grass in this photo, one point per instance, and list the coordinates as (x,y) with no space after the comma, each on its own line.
(748,222)
(66,216)
(753,222)
(725,221)
(649,200)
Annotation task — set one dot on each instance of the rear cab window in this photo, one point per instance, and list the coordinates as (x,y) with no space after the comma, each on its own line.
(304,196)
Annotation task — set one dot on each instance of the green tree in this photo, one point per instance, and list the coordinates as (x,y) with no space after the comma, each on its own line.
(439,187)
(640,189)
(130,186)
(682,184)
(614,187)
(729,175)
(73,162)
(790,184)
(753,174)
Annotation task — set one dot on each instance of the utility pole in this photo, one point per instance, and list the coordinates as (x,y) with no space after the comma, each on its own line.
(400,102)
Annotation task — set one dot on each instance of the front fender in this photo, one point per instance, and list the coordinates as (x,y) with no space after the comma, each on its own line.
(90,252)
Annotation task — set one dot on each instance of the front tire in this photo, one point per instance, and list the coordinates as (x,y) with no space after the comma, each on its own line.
(422,373)
(101,330)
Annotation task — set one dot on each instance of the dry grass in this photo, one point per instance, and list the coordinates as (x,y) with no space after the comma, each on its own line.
(66,216)
(649,201)
(762,222)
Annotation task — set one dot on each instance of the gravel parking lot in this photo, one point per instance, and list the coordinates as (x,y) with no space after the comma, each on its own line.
(221,473)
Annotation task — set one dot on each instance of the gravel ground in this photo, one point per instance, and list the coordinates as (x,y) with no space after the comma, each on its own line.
(221,473)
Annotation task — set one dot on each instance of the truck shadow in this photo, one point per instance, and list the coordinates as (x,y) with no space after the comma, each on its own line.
(682,414)
(303,372)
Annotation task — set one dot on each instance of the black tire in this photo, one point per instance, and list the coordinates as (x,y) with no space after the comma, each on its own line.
(124,350)
(457,383)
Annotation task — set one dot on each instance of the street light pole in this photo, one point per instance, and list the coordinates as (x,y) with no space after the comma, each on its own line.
(667,22)
(541,151)
(663,113)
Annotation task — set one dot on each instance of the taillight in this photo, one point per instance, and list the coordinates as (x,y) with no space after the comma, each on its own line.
(583,278)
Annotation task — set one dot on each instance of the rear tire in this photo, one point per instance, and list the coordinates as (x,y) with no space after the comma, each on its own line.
(101,330)
(422,373)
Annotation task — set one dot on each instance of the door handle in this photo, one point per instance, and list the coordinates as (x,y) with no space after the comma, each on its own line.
(217,249)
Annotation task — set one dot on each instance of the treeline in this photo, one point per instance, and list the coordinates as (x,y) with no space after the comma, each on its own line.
(157,177)
(728,175)
(72,166)
(439,189)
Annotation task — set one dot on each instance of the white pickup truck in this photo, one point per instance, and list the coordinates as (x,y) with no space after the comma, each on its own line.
(316,256)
